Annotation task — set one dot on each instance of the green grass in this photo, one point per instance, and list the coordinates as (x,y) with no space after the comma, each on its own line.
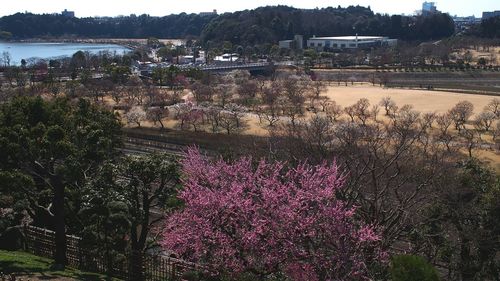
(20,263)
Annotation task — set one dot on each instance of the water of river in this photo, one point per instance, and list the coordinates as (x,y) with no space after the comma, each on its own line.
(19,51)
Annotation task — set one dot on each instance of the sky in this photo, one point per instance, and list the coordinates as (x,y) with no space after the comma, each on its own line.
(85,8)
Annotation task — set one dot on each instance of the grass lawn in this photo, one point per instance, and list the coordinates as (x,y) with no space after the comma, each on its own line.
(38,268)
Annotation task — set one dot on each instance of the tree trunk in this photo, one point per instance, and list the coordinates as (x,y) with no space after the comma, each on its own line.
(136,265)
(59,224)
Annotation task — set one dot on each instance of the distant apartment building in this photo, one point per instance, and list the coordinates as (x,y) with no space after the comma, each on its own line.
(464,23)
(296,44)
(69,14)
(204,14)
(487,15)
(349,42)
(429,8)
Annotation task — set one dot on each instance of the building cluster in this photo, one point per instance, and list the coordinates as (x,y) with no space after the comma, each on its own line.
(338,43)
(487,15)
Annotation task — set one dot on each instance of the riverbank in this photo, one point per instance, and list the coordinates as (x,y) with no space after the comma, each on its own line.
(118,41)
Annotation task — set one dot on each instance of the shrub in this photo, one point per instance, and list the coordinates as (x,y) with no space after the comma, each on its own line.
(412,268)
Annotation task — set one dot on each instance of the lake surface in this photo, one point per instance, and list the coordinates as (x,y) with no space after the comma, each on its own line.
(19,51)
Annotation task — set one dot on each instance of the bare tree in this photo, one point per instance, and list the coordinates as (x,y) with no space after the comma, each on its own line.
(247,91)
(228,122)
(213,115)
(494,107)
(362,110)
(135,115)
(202,92)
(351,111)
(224,93)
(461,113)
(270,98)
(388,104)
(470,140)
(295,89)
(318,88)
(157,114)
(333,111)
(484,121)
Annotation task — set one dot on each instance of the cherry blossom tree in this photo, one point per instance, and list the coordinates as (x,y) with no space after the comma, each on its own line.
(269,219)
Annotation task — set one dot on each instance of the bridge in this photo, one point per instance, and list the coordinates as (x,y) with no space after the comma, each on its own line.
(251,67)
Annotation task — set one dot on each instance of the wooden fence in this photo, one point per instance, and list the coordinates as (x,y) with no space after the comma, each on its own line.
(41,242)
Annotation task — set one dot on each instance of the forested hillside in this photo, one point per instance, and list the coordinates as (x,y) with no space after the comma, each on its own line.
(249,27)
(269,24)
(173,26)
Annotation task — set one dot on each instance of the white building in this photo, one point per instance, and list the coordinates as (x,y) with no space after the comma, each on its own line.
(349,42)
(226,58)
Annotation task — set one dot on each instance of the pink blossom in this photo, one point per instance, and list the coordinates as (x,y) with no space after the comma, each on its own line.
(266,218)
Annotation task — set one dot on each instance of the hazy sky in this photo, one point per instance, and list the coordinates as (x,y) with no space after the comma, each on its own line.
(85,8)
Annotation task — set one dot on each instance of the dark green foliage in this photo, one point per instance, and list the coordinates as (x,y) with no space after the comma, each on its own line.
(27,25)
(270,24)
(490,28)
(265,25)
(106,217)
(13,208)
(128,198)
(56,145)
(462,229)
(412,268)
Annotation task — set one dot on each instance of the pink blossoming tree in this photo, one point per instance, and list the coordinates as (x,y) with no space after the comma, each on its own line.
(267,219)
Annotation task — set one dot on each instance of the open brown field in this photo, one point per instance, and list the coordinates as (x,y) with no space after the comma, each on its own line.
(422,100)
(493,55)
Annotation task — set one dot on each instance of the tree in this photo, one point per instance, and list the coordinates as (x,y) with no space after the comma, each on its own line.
(136,115)
(157,114)
(59,145)
(393,166)
(295,89)
(318,88)
(462,228)
(270,98)
(333,111)
(6,58)
(461,113)
(105,217)
(144,186)
(388,104)
(494,107)
(484,120)
(269,219)
(15,211)
(202,92)
(362,110)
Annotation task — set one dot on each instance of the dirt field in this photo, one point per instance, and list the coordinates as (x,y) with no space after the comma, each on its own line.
(422,100)
(494,53)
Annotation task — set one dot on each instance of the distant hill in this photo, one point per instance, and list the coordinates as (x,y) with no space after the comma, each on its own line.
(269,24)
(27,25)
(249,27)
